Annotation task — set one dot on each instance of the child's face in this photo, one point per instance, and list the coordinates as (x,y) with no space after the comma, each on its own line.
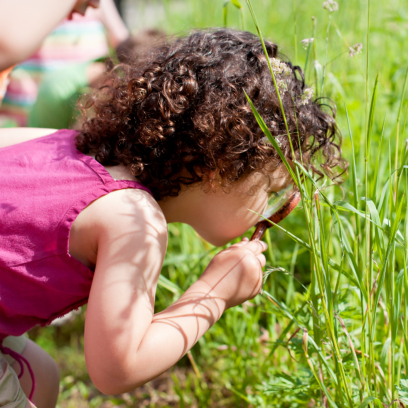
(218,216)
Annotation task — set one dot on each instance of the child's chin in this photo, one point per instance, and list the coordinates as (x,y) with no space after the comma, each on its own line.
(219,241)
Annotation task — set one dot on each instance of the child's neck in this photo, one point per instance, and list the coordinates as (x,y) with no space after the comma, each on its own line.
(120,172)
(178,209)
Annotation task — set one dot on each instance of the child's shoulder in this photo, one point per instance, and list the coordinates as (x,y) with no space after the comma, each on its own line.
(123,219)
(124,210)
(131,204)
(130,209)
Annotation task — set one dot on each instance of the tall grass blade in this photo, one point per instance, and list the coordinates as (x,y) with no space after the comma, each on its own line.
(271,139)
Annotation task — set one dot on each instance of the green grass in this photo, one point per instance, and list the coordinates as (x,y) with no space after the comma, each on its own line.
(330,329)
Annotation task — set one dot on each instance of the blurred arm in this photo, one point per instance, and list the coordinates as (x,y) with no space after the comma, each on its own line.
(12,136)
(24,24)
(117,30)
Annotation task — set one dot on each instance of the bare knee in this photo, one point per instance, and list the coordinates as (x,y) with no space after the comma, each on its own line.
(46,373)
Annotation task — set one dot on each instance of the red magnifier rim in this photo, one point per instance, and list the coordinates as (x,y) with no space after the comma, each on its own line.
(282,213)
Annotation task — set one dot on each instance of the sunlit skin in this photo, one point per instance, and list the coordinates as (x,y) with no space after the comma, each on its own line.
(122,236)
(82,5)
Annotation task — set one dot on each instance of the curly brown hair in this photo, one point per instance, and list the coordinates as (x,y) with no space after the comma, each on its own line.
(180,114)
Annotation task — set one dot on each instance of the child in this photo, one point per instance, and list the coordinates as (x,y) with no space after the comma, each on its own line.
(59,90)
(171,139)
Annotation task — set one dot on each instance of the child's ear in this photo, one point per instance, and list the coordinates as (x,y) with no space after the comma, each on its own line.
(199,171)
(211,179)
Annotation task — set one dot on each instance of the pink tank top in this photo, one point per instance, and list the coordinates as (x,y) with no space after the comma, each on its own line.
(44,184)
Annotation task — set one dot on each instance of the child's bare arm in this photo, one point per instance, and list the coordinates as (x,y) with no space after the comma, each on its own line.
(24,24)
(126,345)
(12,136)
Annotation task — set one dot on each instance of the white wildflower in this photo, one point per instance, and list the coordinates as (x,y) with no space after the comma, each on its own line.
(331,6)
(265,140)
(280,67)
(356,49)
(306,96)
(276,66)
(306,42)
(309,92)
(282,86)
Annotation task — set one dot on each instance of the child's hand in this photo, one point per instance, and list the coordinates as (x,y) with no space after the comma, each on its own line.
(235,274)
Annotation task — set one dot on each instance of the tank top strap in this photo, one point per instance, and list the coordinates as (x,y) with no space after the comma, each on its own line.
(104,175)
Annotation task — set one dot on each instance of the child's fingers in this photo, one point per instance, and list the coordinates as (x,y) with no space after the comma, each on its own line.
(242,242)
(257,247)
(262,259)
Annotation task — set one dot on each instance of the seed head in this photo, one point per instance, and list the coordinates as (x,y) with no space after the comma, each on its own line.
(282,86)
(266,141)
(331,6)
(356,49)
(279,67)
(306,96)
(306,42)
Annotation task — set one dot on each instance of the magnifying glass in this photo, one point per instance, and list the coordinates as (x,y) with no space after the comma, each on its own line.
(280,205)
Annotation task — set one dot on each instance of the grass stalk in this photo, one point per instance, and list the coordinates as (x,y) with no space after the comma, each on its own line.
(325,57)
(398,130)
(295,31)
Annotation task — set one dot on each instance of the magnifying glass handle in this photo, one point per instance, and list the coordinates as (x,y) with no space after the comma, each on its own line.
(260,230)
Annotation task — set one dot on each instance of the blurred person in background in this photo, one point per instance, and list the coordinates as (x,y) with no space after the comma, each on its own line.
(59,91)
(15,43)
(78,39)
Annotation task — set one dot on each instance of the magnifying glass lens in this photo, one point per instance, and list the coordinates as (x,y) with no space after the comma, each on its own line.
(277,200)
